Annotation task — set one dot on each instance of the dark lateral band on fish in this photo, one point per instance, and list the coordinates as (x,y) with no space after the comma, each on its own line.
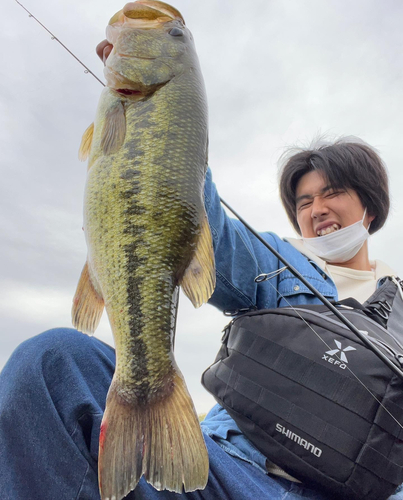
(136,324)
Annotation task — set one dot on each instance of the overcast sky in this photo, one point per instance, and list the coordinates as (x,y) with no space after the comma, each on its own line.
(277,73)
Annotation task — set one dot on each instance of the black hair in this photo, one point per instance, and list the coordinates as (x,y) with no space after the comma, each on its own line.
(348,163)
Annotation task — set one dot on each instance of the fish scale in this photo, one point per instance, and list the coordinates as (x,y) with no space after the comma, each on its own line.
(147,233)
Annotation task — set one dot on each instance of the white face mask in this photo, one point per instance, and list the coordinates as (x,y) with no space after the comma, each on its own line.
(340,246)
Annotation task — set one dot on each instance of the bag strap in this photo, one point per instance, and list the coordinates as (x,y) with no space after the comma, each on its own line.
(395,321)
(379,306)
(350,302)
(385,303)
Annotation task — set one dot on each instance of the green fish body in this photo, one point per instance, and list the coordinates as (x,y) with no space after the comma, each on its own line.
(147,233)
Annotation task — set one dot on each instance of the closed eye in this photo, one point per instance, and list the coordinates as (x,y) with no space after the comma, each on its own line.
(306,204)
(333,194)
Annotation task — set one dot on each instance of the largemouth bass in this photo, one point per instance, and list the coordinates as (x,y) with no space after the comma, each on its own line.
(147,233)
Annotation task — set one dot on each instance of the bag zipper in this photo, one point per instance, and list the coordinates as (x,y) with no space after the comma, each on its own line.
(338,323)
(386,347)
(384,330)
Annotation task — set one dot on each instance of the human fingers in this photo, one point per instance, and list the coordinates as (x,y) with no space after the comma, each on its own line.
(103,50)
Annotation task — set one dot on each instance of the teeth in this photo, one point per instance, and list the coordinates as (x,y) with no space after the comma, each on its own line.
(328,230)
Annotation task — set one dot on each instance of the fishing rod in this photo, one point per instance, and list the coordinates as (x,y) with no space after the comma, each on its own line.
(323,299)
(53,37)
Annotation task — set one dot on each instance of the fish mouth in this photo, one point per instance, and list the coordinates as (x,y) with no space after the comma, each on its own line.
(142,14)
(146,14)
(127,88)
(120,84)
(151,9)
(129,92)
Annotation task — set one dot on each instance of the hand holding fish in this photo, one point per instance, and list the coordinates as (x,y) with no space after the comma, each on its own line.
(147,233)
(103,50)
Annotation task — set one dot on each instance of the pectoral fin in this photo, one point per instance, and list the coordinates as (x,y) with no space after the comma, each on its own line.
(114,129)
(198,282)
(88,305)
(86,141)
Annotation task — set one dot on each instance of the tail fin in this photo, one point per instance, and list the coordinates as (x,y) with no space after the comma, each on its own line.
(162,440)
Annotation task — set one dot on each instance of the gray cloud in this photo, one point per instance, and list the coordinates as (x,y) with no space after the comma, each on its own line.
(276,73)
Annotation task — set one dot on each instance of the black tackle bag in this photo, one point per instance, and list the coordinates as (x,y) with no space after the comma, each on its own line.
(313,398)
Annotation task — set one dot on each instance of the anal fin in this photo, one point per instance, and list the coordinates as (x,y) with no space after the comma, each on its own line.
(88,305)
(198,282)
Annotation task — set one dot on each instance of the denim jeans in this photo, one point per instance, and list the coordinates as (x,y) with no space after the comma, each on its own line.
(52,396)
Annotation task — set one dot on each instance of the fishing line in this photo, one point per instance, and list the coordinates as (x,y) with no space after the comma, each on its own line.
(267,277)
(53,37)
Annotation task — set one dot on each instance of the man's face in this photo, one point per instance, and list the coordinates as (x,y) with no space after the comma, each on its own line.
(322,210)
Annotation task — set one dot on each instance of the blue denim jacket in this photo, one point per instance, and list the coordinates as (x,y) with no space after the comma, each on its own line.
(240,257)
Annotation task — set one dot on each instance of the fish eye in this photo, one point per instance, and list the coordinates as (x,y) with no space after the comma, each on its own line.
(176,32)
